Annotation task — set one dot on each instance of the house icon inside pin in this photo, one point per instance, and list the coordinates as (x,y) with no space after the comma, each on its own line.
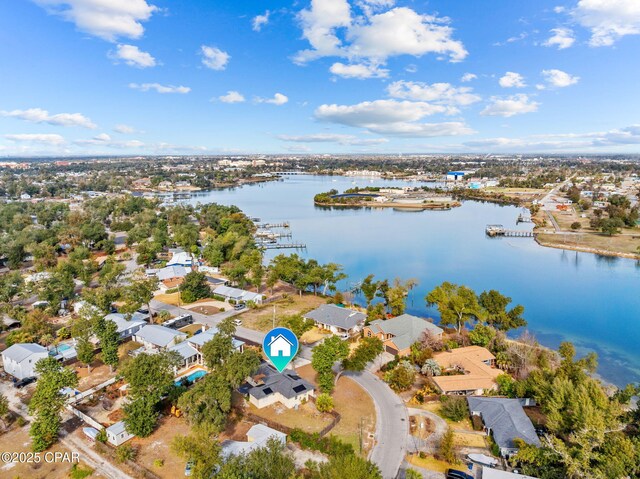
(280,346)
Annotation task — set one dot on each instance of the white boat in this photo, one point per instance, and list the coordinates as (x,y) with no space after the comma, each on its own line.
(483,460)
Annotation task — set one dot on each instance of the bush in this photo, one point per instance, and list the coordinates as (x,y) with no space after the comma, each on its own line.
(78,472)
(454,408)
(576,225)
(158,463)
(401,377)
(329,445)
(447,448)
(126,453)
(102,436)
(324,402)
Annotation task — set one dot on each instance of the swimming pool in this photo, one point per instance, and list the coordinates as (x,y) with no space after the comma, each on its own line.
(191,377)
(59,349)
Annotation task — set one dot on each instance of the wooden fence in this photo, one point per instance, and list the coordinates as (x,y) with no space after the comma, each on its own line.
(287,430)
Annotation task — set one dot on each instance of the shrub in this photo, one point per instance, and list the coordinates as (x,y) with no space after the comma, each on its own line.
(454,408)
(447,447)
(102,436)
(126,453)
(78,472)
(431,368)
(401,377)
(324,402)
(576,225)
(329,445)
(158,463)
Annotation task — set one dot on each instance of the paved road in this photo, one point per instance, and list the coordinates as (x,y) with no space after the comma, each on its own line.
(392,423)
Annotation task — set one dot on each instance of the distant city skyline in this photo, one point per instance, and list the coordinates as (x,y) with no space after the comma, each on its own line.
(146,77)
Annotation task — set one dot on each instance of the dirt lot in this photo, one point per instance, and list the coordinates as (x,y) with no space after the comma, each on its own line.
(99,374)
(158,446)
(354,405)
(306,417)
(261,319)
(208,310)
(18,440)
(313,335)
(430,463)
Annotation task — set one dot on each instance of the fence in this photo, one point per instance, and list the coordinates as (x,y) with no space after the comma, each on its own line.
(89,392)
(287,430)
(87,419)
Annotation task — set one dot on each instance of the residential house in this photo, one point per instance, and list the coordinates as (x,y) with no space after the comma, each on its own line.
(336,319)
(20,359)
(181,259)
(505,420)
(268,386)
(257,436)
(169,277)
(117,434)
(127,328)
(153,336)
(191,349)
(472,368)
(237,295)
(399,333)
(490,473)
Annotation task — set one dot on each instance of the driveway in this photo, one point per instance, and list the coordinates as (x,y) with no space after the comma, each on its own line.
(392,423)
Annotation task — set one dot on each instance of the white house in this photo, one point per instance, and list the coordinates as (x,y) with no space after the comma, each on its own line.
(20,359)
(117,434)
(257,437)
(268,386)
(153,336)
(238,295)
(181,259)
(125,328)
(280,346)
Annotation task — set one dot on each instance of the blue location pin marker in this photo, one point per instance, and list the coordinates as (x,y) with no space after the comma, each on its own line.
(280,345)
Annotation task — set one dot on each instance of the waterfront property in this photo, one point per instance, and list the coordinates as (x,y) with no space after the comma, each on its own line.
(268,386)
(399,333)
(466,371)
(336,319)
(505,420)
(19,360)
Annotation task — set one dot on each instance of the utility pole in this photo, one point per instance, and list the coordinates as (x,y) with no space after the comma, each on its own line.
(274,316)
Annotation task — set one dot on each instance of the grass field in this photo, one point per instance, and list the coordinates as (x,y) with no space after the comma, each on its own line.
(261,319)
(430,463)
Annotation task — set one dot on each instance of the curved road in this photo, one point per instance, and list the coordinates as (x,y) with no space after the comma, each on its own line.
(392,423)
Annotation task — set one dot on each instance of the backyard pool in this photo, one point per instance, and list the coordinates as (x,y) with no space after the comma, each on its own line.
(191,377)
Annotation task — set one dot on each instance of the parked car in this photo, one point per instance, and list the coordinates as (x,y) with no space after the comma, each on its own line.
(455,474)
(188,469)
(24,381)
(237,322)
(238,306)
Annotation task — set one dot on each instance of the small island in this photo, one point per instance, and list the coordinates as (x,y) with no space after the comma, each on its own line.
(388,197)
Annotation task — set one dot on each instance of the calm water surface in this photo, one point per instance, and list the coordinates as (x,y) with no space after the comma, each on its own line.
(591,300)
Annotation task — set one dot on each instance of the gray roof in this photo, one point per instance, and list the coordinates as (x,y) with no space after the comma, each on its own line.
(259,435)
(489,473)
(288,383)
(405,328)
(206,336)
(117,428)
(184,349)
(236,293)
(121,321)
(333,315)
(158,335)
(506,419)
(21,351)
(169,272)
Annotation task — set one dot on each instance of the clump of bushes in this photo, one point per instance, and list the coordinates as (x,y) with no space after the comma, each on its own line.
(328,445)
(454,408)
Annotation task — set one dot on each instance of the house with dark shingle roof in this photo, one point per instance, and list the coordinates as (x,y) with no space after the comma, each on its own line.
(336,319)
(505,420)
(399,333)
(268,386)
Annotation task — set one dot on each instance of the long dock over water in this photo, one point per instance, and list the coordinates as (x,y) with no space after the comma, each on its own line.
(499,230)
(282,245)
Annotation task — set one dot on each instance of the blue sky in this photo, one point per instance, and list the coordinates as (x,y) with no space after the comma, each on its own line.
(325,76)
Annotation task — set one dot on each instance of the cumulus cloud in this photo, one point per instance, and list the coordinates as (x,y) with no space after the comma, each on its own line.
(561,38)
(103,139)
(160,88)
(559,79)
(278,99)
(510,106)
(40,138)
(333,138)
(467,77)
(608,20)
(133,56)
(260,21)
(38,115)
(439,93)
(108,20)
(214,58)
(232,96)
(331,30)
(124,129)
(391,117)
(512,80)
(360,71)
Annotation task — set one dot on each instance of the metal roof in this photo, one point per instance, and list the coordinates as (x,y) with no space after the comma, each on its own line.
(121,322)
(158,335)
(21,351)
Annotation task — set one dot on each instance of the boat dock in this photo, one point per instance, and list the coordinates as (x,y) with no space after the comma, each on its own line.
(282,245)
(499,230)
(266,226)
(272,235)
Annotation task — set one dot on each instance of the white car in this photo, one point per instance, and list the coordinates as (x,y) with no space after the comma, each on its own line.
(237,322)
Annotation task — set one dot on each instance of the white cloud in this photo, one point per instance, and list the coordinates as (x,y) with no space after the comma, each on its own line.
(561,38)
(392,117)
(232,96)
(512,80)
(278,99)
(332,31)
(41,138)
(333,138)
(559,79)
(214,58)
(440,93)
(160,88)
(467,77)
(260,21)
(103,139)
(411,68)
(510,106)
(38,115)
(124,129)
(358,70)
(107,19)
(608,20)
(133,56)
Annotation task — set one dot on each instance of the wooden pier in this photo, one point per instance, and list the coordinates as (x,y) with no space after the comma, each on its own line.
(499,230)
(272,235)
(282,245)
(266,226)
